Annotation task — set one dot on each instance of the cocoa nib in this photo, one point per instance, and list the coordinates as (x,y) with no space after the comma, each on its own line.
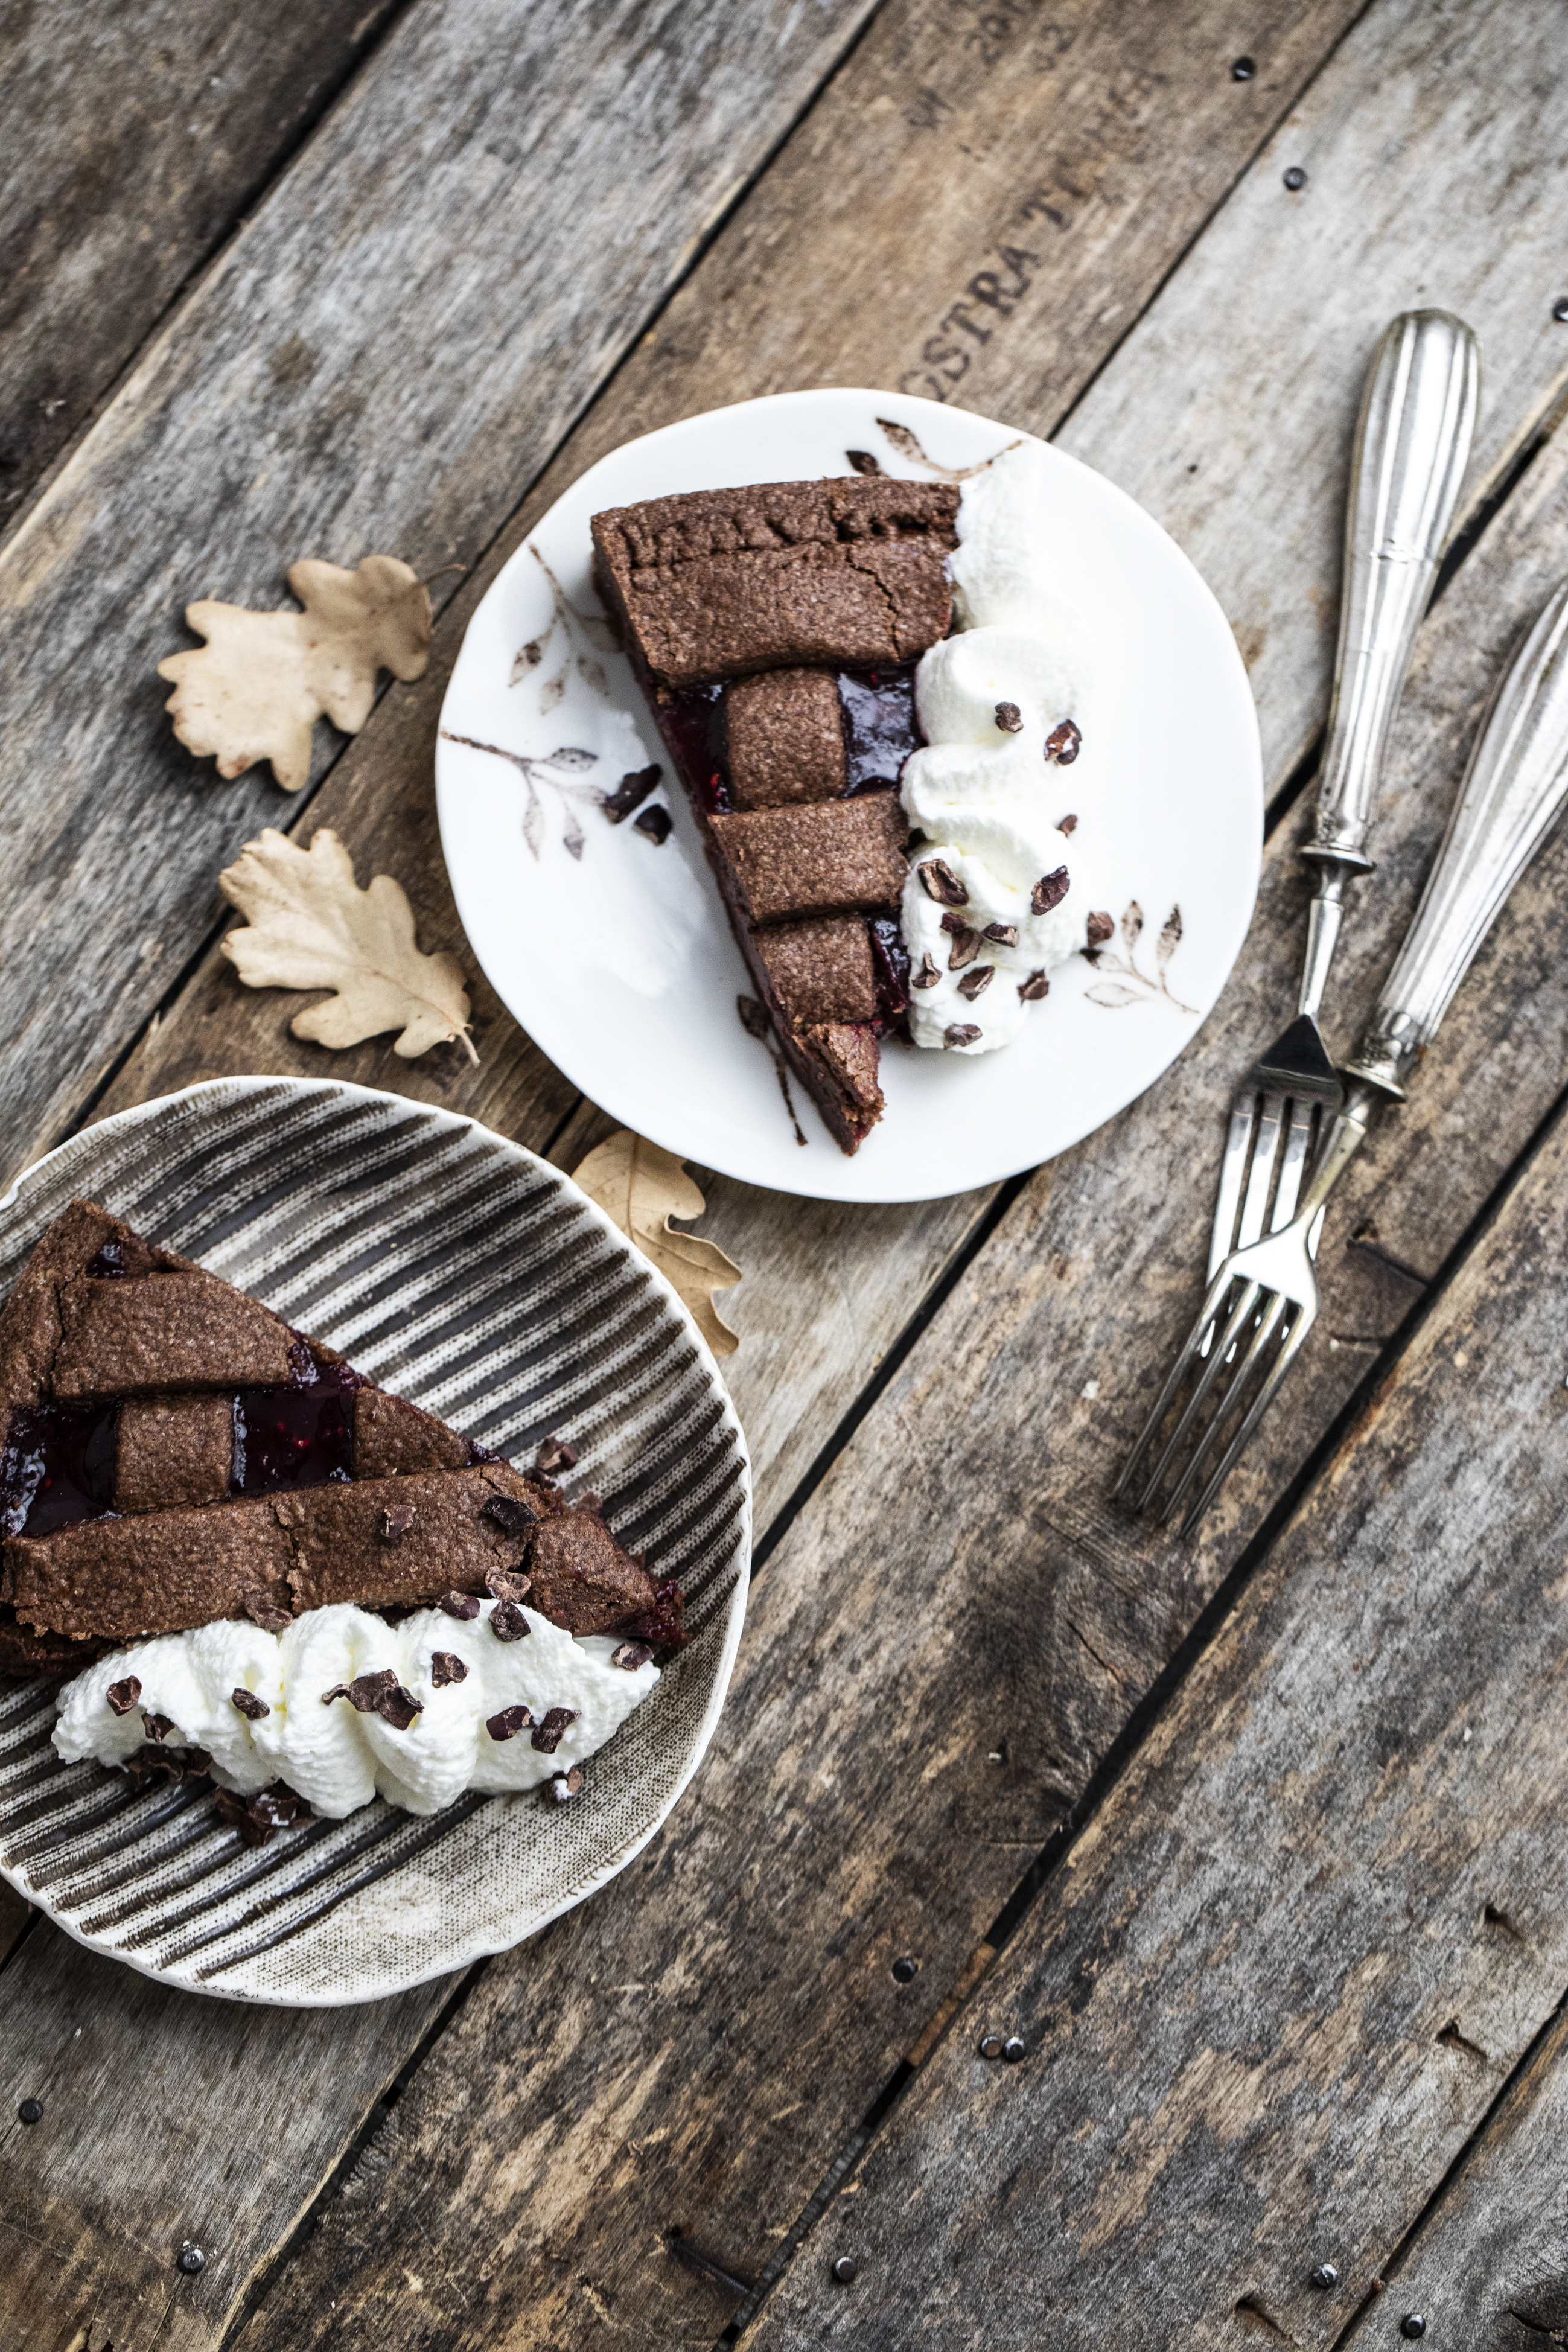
(1009,717)
(1062,744)
(157,1727)
(554,1455)
(510,1514)
(631,792)
(1100,928)
(459,1604)
(150,1764)
(271,1620)
(396,1521)
(379,1694)
(1005,934)
(509,1723)
(1033,988)
(632,1655)
(507,1583)
(1049,891)
(399,1708)
(662,1625)
(248,1703)
(975,982)
(508,1622)
(964,948)
(446,1666)
(1068,826)
(557,1722)
(562,1786)
(255,1818)
(940,882)
(122,1696)
(656,825)
(959,1032)
(927,976)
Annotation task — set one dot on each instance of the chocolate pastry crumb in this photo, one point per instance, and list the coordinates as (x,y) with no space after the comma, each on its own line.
(632,1655)
(1100,928)
(465,1605)
(1005,934)
(862,461)
(446,1666)
(250,1704)
(927,976)
(589,1501)
(965,946)
(271,1620)
(662,1625)
(959,1032)
(396,1520)
(1030,991)
(563,1786)
(508,1584)
(753,1016)
(1009,717)
(512,1515)
(1049,891)
(509,1723)
(157,1727)
(122,1696)
(557,1722)
(554,1455)
(940,882)
(656,825)
(1068,826)
(975,982)
(1063,743)
(508,1622)
(631,792)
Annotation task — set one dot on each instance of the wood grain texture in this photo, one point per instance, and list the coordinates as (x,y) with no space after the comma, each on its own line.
(130,141)
(382,359)
(1274,1994)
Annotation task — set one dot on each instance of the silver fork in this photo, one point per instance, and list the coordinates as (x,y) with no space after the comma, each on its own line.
(1413,439)
(1515,788)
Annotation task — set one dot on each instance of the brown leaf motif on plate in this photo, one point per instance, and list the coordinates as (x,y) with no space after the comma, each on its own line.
(1133,985)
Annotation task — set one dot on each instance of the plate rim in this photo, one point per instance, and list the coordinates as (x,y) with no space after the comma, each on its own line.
(478,1947)
(898,1193)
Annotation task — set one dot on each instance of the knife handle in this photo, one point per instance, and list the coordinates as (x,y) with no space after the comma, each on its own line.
(1413,439)
(1515,789)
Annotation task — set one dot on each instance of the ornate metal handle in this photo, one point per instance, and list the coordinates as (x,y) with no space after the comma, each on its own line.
(1413,439)
(1515,789)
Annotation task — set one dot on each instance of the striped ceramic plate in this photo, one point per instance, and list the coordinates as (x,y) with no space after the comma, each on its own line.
(466,1273)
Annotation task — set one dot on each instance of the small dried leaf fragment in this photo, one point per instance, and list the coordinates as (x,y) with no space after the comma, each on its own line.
(256,688)
(640,1187)
(311,926)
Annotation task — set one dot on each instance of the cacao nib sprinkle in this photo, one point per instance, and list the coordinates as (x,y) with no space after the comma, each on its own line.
(465,1605)
(1049,891)
(959,1032)
(557,1722)
(964,948)
(512,1515)
(1005,934)
(631,792)
(1068,826)
(753,1016)
(508,1622)
(150,1764)
(928,974)
(662,1623)
(271,1620)
(632,1655)
(1063,743)
(446,1666)
(338,1690)
(655,824)
(1101,928)
(1030,991)
(248,1703)
(974,982)
(563,1786)
(231,1807)
(508,1584)
(588,1501)
(554,1455)
(509,1723)
(255,1818)
(399,1708)
(940,882)
(367,1691)
(1009,717)
(122,1696)
(396,1521)
(157,1727)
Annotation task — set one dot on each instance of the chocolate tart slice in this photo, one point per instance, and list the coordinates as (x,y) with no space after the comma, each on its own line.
(774,630)
(172,1453)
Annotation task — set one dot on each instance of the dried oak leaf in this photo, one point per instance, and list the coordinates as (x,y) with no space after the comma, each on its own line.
(311,926)
(256,689)
(641,1188)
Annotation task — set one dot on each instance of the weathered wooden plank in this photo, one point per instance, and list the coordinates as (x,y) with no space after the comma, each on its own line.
(1316,1923)
(384,357)
(129,143)
(1489,2268)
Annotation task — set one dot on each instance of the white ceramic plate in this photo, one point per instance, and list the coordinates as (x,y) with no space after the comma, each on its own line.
(466,1273)
(616,954)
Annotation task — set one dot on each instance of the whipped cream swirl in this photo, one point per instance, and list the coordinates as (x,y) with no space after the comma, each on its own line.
(1000,897)
(257,1702)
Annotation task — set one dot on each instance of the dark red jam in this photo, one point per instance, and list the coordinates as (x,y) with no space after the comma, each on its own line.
(890,964)
(693,723)
(295,1436)
(880,728)
(56,1467)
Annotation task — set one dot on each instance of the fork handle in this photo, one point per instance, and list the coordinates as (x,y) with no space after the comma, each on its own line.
(1515,788)
(1413,439)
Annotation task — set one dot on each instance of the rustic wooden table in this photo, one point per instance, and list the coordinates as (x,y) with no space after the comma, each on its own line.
(1256,1842)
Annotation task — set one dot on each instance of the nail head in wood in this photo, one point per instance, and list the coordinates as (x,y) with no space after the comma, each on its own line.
(1013,2049)
(906,1970)
(991,2047)
(1324,2277)
(1413,2324)
(31,2110)
(1560,310)
(845,2270)
(1295,178)
(191,2260)
(1243,69)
